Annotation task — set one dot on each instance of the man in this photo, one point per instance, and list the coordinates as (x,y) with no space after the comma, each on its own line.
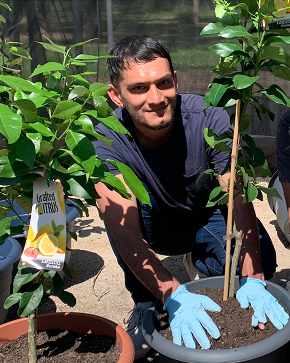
(283,157)
(168,152)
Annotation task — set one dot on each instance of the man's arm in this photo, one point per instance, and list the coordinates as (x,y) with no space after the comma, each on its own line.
(122,220)
(286,190)
(245,219)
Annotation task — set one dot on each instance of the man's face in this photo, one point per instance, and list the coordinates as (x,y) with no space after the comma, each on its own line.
(148,91)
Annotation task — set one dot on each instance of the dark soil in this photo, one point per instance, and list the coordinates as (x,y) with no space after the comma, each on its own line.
(60,346)
(234,324)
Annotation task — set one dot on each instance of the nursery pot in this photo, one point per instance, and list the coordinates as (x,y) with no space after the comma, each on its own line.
(77,322)
(270,350)
(10,252)
(278,205)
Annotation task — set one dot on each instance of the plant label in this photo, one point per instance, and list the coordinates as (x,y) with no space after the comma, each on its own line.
(46,239)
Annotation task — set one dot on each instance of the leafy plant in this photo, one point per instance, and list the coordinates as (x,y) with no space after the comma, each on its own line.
(48,131)
(253,50)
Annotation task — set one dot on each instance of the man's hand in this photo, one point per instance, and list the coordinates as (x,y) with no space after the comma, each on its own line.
(252,291)
(187,317)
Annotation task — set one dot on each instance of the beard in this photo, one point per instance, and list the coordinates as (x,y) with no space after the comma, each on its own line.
(140,117)
(162,125)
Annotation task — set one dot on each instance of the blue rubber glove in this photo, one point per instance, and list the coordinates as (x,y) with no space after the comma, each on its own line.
(252,291)
(187,317)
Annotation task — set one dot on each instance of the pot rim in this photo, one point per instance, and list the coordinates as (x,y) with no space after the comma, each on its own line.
(45,321)
(241,354)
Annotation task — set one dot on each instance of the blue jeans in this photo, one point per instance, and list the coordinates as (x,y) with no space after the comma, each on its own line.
(207,244)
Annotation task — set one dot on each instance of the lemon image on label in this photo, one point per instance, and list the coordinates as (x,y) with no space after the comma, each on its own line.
(281,9)
(48,245)
(287,3)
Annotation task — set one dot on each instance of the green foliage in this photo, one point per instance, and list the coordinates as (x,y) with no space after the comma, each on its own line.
(48,131)
(253,51)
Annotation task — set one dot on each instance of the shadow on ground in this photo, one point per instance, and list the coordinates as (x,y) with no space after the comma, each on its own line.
(87,264)
(85,228)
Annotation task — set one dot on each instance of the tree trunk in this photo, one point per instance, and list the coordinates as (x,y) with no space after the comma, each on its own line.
(37,52)
(195,11)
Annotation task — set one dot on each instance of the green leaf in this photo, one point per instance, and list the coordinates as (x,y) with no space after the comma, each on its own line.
(25,149)
(48,67)
(80,145)
(234,31)
(78,92)
(134,184)
(244,123)
(281,72)
(27,108)
(251,193)
(214,141)
(5,225)
(99,89)
(53,47)
(101,105)
(69,271)
(114,183)
(277,95)
(20,179)
(85,122)
(97,136)
(84,42)
(79,78)
(12,299)
(67,298)
(241,81)
(217,92)
(40,128)
(87,57)
(82,189)
(212,28)
(36,139)
(10,124)
(30,300)
(110,122)
(23,276)
(273,192)
(66,109)
(57,285)
(18,168)
(19,52)
(5,6)
(20,84)
(275,53)
(45,147)
(227,49)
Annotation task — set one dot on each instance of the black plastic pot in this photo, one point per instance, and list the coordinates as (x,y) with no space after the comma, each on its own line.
(270,350)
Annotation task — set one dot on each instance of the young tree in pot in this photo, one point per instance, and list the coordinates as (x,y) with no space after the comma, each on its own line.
(238,83)
(50,128)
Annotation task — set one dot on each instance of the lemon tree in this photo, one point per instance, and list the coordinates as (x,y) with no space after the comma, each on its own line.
(248,47)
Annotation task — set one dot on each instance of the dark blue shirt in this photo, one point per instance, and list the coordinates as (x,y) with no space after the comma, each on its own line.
(283,147)
(171,170)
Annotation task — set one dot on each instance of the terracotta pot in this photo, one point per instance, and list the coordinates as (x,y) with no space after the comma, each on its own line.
(270,350)
(77,322)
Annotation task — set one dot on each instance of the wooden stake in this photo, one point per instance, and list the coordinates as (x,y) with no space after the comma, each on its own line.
(231,200)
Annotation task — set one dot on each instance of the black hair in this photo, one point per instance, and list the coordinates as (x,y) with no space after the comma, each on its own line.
(137,49)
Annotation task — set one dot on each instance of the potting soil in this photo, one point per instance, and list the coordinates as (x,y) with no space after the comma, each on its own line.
(60,346)
(234,324)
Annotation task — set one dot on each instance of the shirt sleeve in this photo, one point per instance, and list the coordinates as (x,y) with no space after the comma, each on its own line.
(283,147)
